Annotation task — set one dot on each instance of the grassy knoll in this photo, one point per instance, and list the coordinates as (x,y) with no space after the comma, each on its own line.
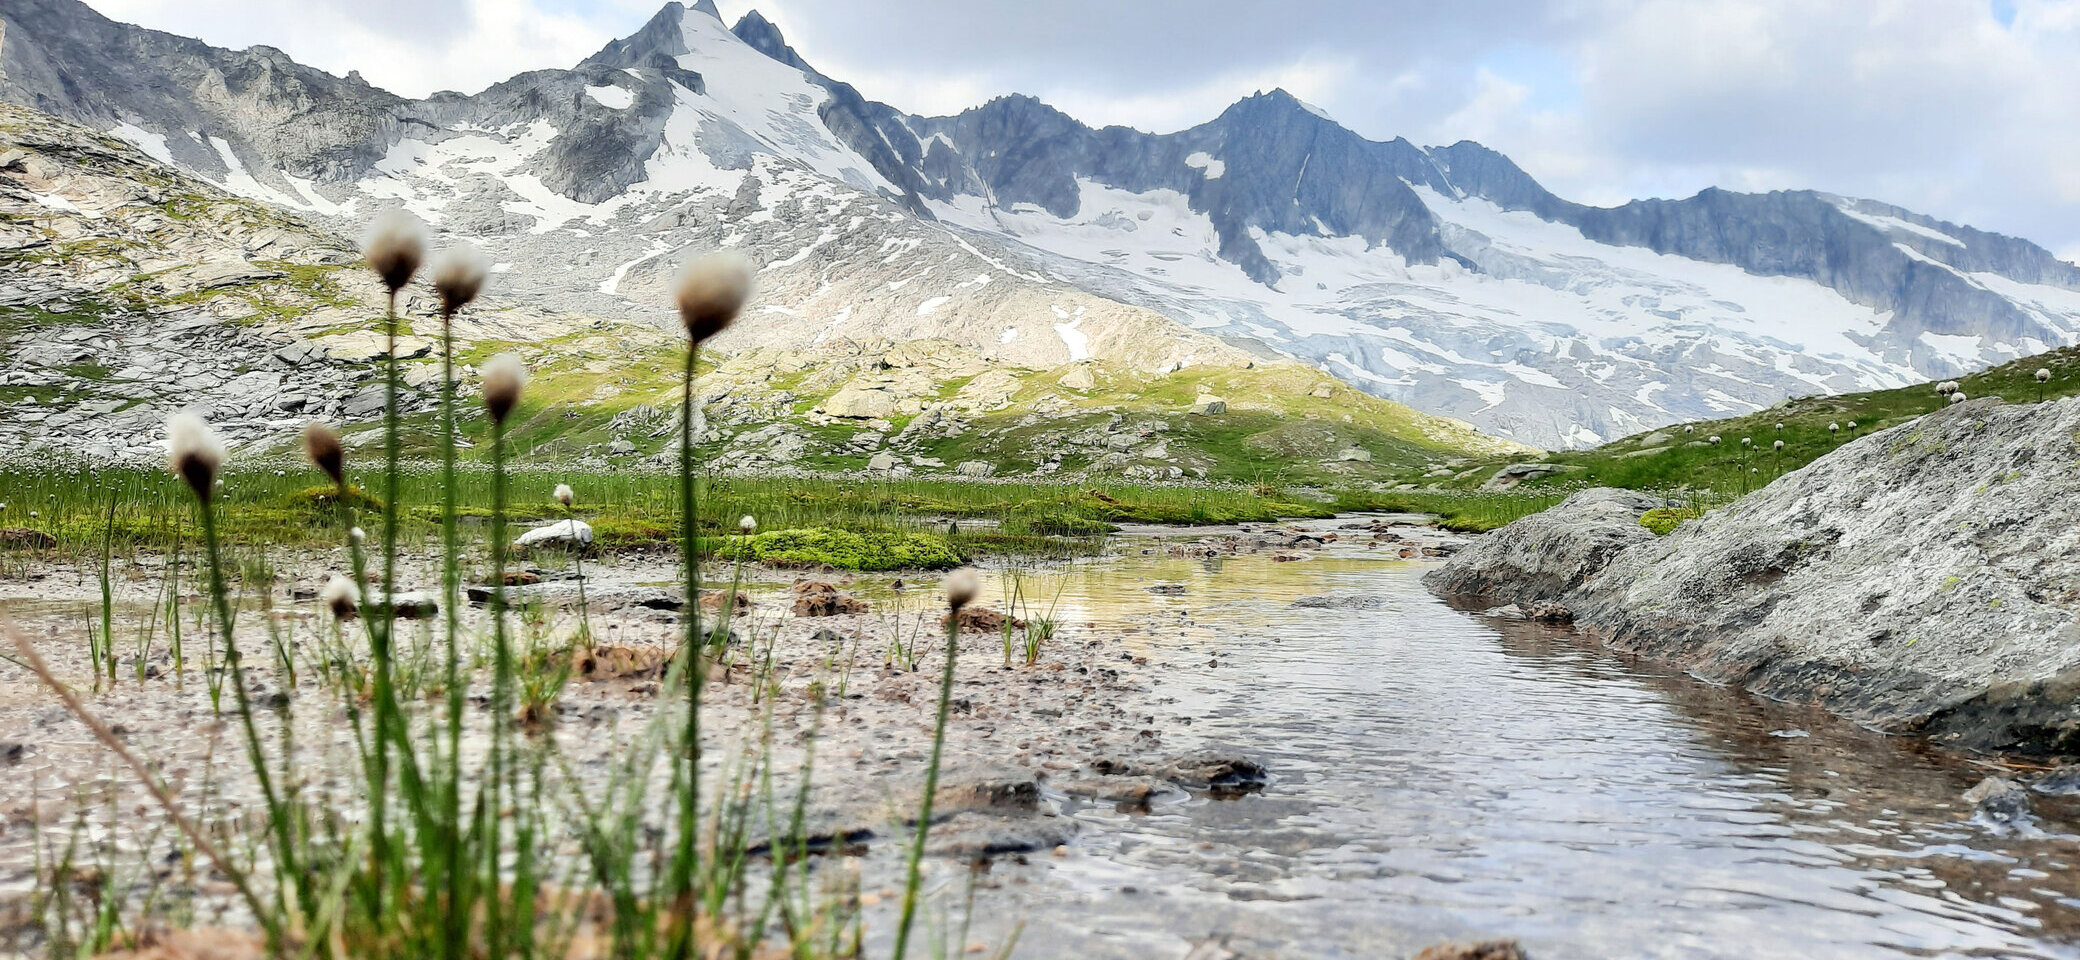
(594,388)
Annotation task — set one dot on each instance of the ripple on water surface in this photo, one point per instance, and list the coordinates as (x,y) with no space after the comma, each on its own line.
(1446,775)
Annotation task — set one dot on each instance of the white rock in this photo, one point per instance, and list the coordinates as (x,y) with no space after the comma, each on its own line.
(560,533)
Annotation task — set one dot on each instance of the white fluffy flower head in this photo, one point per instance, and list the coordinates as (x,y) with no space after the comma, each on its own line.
(504,376)
(710,293)
(394,245)
(961,587)
(193,452)
(458,275)
(341,596)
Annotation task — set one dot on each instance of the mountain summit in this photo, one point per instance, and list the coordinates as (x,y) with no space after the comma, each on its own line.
(1445,277)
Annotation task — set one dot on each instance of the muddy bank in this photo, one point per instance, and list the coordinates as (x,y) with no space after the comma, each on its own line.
(1919,580)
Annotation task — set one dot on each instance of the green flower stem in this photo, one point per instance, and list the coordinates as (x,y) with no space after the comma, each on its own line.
(501,682)
(686,864)
(278,814)
(382,626)
(455,923)
(914,874)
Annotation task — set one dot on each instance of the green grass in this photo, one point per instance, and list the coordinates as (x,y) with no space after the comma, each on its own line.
(898,522)
(1462,511)
(1674,458)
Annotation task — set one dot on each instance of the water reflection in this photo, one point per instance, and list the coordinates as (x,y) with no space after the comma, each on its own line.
(1444,775)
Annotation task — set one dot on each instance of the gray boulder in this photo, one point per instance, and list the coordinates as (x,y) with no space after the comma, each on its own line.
(1917,580)
(1547,556)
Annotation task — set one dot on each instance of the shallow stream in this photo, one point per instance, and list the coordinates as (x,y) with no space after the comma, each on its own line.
(1445,775)
(1442,775)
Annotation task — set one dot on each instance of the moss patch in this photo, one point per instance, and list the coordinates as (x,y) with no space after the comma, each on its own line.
(1664,520)
(843,549)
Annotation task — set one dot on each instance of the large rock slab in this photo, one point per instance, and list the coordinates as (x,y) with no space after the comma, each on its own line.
(1923,579)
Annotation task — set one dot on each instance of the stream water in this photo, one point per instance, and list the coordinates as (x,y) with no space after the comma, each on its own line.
(1443,775)
(1439,774)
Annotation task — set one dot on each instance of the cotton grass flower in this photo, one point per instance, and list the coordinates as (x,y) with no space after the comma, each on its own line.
(504,376)
(2043,375)
(1834,428)
(747,525)
(564,495)
(710,293)
(321,444)
(1947,387)
(961,588)
(1780,446)
(193,452)
(458,276)
(341,596)
(1713,439)
(1957,398)
(394,245)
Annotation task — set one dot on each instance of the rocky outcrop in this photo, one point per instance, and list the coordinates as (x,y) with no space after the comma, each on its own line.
(1547,557)
(1918,580)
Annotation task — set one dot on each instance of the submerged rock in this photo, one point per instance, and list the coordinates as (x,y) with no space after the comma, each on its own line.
(1474,950)
(2062,782)
(1327,602)
(1217,772)
(1917,580)
(1999,799)
(1124,791)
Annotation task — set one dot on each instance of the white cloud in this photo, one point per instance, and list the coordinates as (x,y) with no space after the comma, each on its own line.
(410,47)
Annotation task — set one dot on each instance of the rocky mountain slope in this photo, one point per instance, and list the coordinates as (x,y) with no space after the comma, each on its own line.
(1446,277)
(129,290)
(1919,579)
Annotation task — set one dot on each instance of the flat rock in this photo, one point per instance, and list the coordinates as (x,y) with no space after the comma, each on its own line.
(1126,791)
(978,834)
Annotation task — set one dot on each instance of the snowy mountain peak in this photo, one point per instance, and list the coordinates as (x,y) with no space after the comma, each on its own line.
(1447,277)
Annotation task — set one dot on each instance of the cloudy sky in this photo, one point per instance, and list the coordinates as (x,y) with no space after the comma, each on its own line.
(1968,110)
